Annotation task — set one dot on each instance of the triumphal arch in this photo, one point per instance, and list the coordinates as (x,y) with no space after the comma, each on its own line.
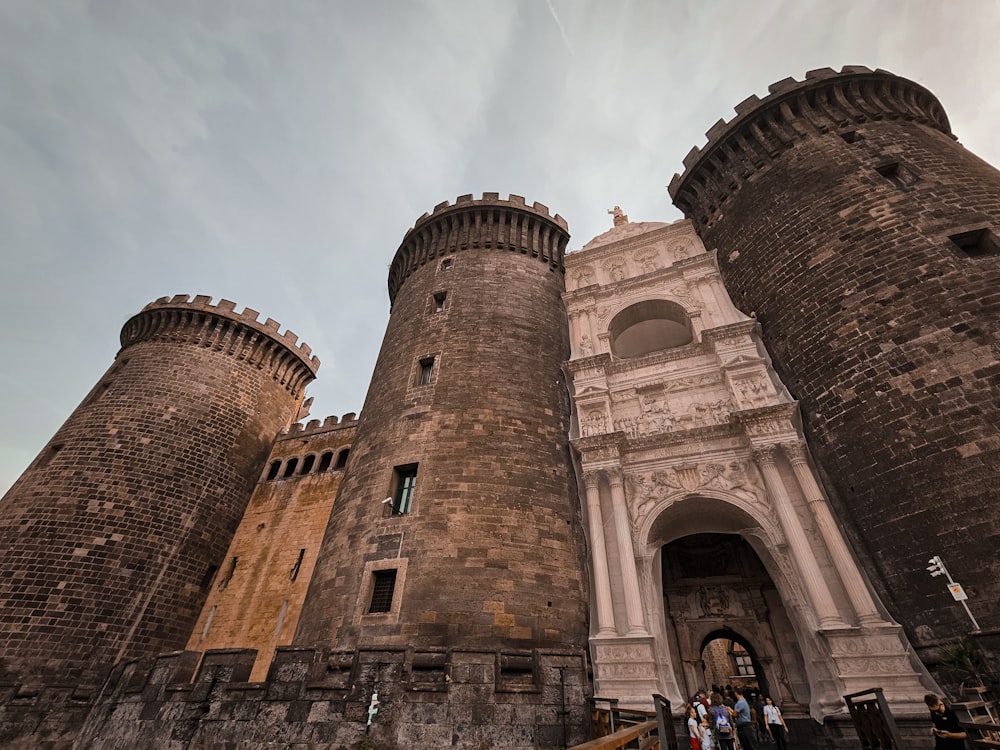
(706,517)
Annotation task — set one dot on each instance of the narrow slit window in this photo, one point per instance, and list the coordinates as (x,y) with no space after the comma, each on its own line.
(383,588)
(294,572)
(49,455)
(224,583)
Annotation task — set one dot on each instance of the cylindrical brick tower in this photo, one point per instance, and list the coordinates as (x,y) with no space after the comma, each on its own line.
(864,238)
(457,522)
(110,540)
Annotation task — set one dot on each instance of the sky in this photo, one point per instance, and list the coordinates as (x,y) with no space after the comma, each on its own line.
(275,154)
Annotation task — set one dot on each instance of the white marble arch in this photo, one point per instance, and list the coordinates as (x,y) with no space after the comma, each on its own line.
(715,511)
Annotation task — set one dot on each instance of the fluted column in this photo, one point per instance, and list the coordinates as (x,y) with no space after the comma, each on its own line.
(805,561)
(626,554)
(843,560)
(599,556)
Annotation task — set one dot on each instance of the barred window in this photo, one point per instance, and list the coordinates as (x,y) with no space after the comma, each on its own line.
(383,587)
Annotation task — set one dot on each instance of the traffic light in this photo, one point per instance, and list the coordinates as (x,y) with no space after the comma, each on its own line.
(936,567)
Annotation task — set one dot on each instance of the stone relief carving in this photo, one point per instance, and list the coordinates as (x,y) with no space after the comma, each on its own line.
(714,601)
(648,260)
(586,346)
(584,277)
(738,478)
(593,424)
(683,248)
(754,391)
(616,269)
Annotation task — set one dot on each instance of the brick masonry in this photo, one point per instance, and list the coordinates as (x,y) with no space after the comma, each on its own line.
(106,539)
(491,554)
(831,203)
(256,602)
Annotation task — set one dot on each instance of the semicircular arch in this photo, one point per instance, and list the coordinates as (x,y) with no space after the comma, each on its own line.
(647,326)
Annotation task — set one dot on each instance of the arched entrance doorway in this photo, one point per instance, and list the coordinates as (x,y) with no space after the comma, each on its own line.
(729,659)
(729,624)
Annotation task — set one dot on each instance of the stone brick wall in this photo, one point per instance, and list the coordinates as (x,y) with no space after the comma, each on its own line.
(107,540)
(256,601)
(831,203)
(490,555)
(319,699)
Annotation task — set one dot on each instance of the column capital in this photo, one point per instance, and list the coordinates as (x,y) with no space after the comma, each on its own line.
(591,479)
(765,455)
(616,478)
(797,452)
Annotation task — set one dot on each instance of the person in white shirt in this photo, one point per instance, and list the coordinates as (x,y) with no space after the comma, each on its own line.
(775,723)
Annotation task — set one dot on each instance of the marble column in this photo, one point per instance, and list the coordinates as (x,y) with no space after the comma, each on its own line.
(599,556)
(843,560)
(626,555)
(805,561)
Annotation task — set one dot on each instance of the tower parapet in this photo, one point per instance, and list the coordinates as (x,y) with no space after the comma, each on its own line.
(826,101)
(489,223)
(179,319)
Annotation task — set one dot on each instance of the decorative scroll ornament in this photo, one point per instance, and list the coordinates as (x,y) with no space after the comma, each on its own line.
(584,277)
(648,260)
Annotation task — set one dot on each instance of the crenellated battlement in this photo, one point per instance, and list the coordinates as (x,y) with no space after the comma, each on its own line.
(489,222)
(315,426)
(825,102)
(180,319)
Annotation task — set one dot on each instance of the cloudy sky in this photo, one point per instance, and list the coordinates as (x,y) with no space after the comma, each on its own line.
(275,153)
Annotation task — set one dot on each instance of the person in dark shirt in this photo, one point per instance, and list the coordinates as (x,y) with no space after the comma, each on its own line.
(948,733)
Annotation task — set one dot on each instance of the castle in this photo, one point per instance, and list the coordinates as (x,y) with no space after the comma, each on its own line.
(572,472)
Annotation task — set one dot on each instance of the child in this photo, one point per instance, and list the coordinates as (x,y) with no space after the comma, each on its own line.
(707,741)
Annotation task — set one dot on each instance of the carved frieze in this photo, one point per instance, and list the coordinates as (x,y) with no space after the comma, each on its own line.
(753,391)
(738,478)
(593,423)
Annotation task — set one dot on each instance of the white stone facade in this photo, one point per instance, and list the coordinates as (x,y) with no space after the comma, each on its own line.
(683,428)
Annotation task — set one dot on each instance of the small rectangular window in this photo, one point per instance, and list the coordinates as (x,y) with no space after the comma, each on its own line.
(426,371)
(383,587)
(440,298)
(977,243)
(446,264)
(404,482)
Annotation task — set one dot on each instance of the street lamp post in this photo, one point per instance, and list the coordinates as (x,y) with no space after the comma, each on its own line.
(936,568)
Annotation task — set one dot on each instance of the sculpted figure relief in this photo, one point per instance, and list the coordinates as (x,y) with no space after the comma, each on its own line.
(584,277)
(714,601)
(593,424)
(647,260)
(586,346)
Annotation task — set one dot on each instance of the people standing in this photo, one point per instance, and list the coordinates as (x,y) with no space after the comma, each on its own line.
(707,740)
(722,720)
(694,728)
(776,726)
(948,733)
(744,722)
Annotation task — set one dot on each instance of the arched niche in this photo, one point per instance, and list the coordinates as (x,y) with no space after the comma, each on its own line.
(649,326)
